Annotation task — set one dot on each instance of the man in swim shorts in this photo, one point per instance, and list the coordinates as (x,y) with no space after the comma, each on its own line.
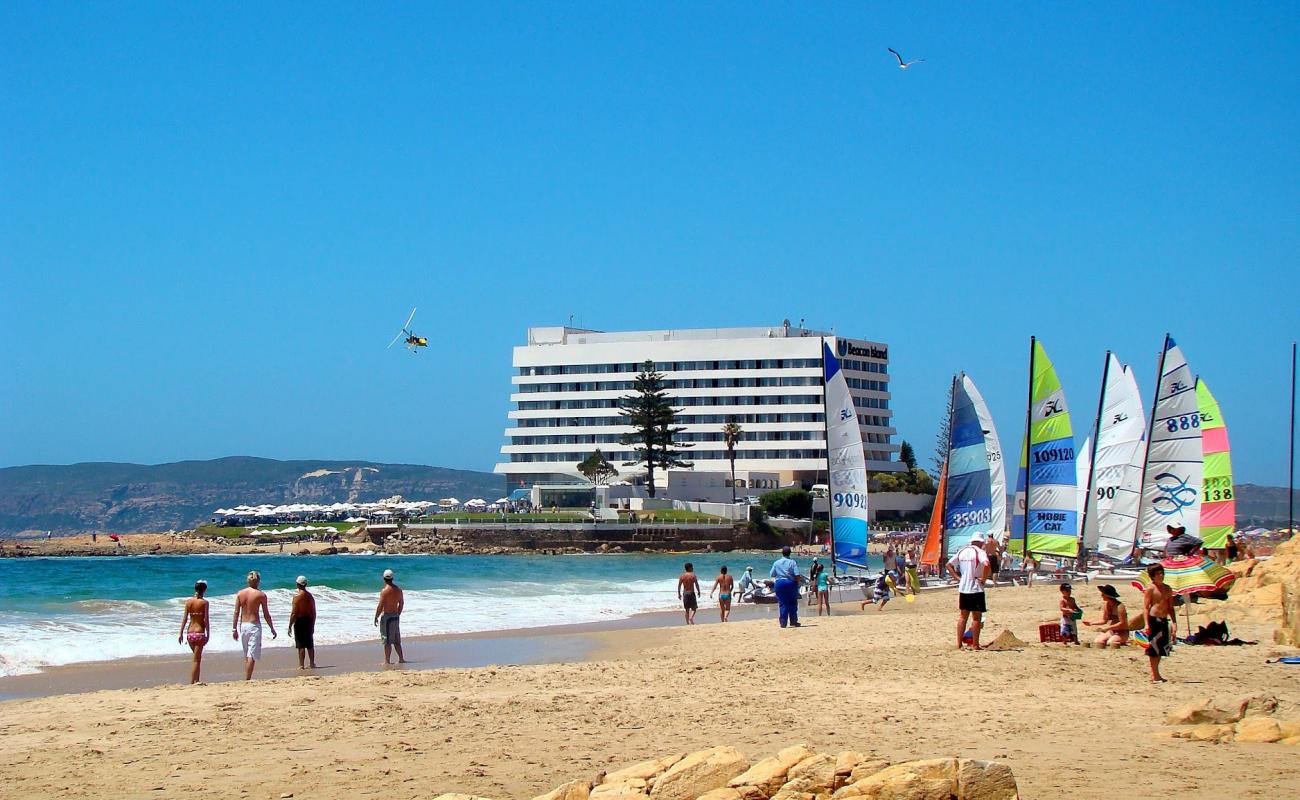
(250,607)
(388,617)
(302,623)
(688,589)
(1158,607)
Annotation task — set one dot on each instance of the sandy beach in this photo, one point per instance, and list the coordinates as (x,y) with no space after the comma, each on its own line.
(1071,721)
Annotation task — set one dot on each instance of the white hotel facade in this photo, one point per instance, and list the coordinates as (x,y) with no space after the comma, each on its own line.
(568,381)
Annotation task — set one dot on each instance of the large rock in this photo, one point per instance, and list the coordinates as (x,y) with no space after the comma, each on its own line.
(985,780)
(699,773)
(818,770)
(930,779)
(866,769)
(573,790)
(1204,712)
(630,789)
(725,793)
(769,774)
(458,796)
(645,771)
(1288,630)
(1258,729)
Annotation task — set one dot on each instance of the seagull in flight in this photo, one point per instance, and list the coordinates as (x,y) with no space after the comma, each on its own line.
(901,63)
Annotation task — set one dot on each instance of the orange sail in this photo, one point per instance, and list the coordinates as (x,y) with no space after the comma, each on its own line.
(934,539)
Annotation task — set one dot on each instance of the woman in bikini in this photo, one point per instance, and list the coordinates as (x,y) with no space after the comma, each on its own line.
(194,627)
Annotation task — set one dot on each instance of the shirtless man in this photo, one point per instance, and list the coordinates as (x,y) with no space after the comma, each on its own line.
(388,617)
(723,585)
(302,623)
(1158,607)
(1113,625)
(246,628)
(688,591)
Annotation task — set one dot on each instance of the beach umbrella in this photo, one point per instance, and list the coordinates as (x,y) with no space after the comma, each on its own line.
(1190,575)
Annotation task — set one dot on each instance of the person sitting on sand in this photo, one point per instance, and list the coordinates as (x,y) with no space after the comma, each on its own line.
(1070,611)
(195,628)
(1157,608)
(688,591)
(302,623)
(1113,625)
(250,607)
(388,616)
(723,585)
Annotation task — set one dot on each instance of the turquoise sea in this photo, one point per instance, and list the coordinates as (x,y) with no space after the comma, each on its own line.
(65,610)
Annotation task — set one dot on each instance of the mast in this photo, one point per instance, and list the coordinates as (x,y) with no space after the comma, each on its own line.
(947,459)
(1029,449)
(1151,429)
(1290,480)
(1092,460)
(826,424)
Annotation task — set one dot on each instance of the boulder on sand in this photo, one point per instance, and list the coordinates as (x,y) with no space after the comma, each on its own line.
(937,779)
(699,773)
(644,770)
(769,774)
(1258,729)
(573,790)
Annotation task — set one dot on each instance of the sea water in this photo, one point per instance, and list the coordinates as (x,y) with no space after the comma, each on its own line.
(65,610)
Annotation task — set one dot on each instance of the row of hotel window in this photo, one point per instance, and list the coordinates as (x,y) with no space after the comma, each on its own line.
(698,383)
(690,436)
(617,456)
(757,400)
(693,419)
(852,365)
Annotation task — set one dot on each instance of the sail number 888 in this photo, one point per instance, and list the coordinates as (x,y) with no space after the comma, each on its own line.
(850,500)
(1183,423)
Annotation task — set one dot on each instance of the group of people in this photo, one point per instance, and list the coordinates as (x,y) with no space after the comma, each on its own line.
(252,609)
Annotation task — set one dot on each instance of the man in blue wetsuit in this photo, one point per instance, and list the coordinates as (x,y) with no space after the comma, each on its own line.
(786,573)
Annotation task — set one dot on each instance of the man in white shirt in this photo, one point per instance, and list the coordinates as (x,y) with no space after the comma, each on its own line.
(970,566)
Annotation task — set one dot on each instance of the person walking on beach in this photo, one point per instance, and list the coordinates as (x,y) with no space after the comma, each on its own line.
(747,583)
(786,572)
(195,627)
(302,624)
(250,607)
(388,617)
(970,566)
(813,573)
(723,585)
(688,591)
(1158,607)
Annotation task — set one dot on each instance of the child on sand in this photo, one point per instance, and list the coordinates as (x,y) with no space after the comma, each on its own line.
(880,593)
(1157,608)
(823,589)
(1070,612)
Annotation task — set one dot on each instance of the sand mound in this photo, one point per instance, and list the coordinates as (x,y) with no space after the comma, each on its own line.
(1005,641)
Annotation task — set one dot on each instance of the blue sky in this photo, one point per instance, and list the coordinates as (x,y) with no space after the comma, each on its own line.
(212,221)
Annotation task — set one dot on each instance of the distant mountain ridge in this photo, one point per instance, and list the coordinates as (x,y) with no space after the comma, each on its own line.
(106,496)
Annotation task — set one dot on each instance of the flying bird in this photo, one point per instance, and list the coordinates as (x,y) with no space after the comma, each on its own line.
(901,63)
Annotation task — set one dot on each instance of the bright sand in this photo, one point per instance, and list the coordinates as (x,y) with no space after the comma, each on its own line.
(1072,722)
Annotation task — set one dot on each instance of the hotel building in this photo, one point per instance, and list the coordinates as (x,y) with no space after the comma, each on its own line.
(568,382)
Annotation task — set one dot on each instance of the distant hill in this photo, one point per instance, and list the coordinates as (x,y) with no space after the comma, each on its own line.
(1257,506)
(134,497)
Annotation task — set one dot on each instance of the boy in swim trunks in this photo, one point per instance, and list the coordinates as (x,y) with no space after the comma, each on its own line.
(1069,608)
(1158,607)
(723,585)
(250,607)
(302,624)
(688,588)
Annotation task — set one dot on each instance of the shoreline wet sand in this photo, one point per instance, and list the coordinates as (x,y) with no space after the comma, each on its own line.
(1071,721)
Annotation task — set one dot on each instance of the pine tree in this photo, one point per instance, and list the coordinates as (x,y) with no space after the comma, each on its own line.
(941,438)
(651,415)
(907,455)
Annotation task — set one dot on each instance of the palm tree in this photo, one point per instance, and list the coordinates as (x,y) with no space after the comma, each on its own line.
(731,434)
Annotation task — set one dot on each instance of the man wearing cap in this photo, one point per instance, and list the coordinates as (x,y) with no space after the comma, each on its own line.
(250,607)
(1181,544)
(388,617)
(302,623)
(746,583)
(786,572)
(970,566)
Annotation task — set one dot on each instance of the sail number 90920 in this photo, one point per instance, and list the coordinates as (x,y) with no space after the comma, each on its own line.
(850,499)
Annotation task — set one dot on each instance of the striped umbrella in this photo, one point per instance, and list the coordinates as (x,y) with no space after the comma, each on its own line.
(1190,575)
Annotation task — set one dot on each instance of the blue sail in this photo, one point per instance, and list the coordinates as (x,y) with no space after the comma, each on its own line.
(968,508)
(848,467)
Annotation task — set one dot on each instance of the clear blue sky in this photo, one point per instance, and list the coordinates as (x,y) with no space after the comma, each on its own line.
(213,220)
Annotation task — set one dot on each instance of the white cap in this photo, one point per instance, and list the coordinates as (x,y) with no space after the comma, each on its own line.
(302,580)
(388,573)
(977,537)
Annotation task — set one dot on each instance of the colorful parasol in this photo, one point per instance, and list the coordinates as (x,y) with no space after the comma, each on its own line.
(1190,575)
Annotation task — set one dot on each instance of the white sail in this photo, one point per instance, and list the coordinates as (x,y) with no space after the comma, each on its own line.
(997,468)
(1082,468)
(1171,487)
(847,466)
(1115,478)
